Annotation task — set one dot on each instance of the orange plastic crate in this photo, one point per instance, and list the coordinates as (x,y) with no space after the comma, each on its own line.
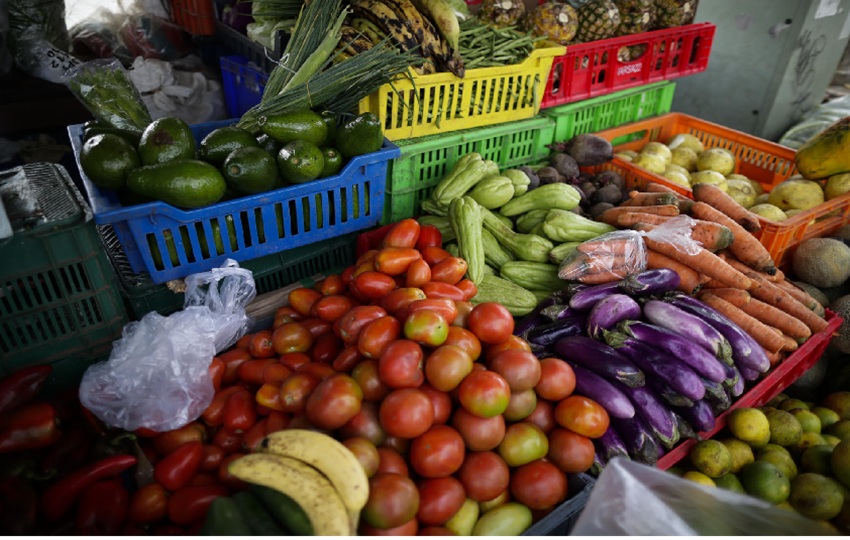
(765,162)
(196,16)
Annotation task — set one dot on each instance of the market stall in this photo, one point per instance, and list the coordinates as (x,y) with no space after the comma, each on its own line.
(440,268)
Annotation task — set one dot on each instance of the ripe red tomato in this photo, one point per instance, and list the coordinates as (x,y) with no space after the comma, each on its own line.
(447,366)
(395,260)
(523,443)
(331,308)
(427,327)
(261,345)
(403,234)
(322,371)
(513,342)
(400,365)
(365,424)
(484,393)
(398,444)
(443,306)
(543,415)
(463,311)
(468,287)
(429,236)
(365,452)
(557,379)
(406,413)
(570,452)
(392,462)
(353,322)
(302,299)
(148,504)
(317,326)
(439,500)
(479,434)
(521,405)
(441,401)
(438,289)
(410,528)
(295,390)
(401,298)
(346,360)
(434,254)
(393,501)
(292,337)
(334,402)
(375,336)
(367,376)
(418,274)
(491,322)
(538,485)
(373,285)
(484,475)
(294,360)
(582,415)
(437,452)
(520,369)
(450,270)
(464,339)
(331,285)
(326,348)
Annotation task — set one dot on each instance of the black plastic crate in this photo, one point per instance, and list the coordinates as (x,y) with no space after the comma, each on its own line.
(258,55)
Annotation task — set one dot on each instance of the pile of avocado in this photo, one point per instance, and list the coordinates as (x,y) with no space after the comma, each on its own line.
(166,163)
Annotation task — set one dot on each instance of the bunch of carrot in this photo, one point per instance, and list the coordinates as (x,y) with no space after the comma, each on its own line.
(731,271)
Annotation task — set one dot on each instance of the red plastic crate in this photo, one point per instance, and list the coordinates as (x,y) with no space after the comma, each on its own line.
(196,16)
(593,69)
(775,382)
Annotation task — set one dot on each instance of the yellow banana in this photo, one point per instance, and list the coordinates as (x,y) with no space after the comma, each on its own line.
(303,484)
(443,16)
(329,456)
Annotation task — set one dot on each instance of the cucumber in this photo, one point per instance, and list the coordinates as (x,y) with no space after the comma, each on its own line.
(255,514)
(224,519)
(284,510)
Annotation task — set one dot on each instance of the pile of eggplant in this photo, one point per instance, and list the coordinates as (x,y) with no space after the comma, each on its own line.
(661,362)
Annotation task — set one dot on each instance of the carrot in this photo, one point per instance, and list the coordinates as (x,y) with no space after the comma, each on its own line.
(733,261)
(587,268)
(719,199)
(689,279)
(628,219)
(777,318)
(647,198)
(802,296)
(737,297)
(790,343)
(613,246)
(655,187)
(745,247)
(704,262)
(764,336)
(610,216)
(777,297)
(712,236)
(775,358)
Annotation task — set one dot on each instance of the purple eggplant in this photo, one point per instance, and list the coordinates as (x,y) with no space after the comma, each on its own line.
(738,388)
(733,378)
(600,359)
(638,440)
(676,373)
(598,463)
(607,312)
(658,417)
(749,375)
(700,416)
(528,323)
(667,394)
(610,445)
(654,281)
(585,299)
(558,311)
(745,351)
(693,327)
(545,335)
(686,430)
(702,361)
(600,390)
(716,396)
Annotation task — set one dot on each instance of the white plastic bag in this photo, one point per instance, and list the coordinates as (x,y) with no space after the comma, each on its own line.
(633,499)
(157,374)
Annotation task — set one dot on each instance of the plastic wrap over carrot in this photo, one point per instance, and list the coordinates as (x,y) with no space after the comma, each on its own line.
(608,257)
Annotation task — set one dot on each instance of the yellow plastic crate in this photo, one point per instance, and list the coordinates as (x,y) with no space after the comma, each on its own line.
(422,105)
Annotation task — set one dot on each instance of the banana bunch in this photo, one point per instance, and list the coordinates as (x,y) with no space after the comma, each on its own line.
(428,27)
(316,471)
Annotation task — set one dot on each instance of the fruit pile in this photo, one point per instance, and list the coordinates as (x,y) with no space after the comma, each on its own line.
(791,453)
(166,163)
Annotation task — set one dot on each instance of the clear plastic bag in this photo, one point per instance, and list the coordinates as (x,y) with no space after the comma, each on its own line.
(633,499)
(105,89)
(677,232)
(157,374)
(608,257)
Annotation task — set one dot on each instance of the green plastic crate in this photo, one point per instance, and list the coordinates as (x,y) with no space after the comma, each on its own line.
(271,272)
(596,114)
(59,301)
(424,161)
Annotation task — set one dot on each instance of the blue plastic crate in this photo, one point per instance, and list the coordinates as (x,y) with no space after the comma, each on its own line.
(170,243)
(243,84)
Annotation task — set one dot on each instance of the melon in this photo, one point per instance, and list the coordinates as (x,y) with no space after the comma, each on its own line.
(822,262)
(841,307)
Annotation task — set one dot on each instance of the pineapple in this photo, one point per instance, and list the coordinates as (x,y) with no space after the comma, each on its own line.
(636,16)
(670,13)
(501,13)
(597,20)
(553,19)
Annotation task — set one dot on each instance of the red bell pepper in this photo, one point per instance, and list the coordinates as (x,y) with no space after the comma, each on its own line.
(189,505)
(34,426)
(177,468)
(61,496)
(18,506)
(102,509)
(21,387)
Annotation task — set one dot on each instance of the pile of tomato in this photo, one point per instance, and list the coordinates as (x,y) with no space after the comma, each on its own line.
(435,396)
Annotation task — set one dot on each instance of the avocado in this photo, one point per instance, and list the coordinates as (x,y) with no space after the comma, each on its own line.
(132,136)
(298,125)
(185,183)
(331,121)
(333,162)
(107,158)
(360,135)
(166,139)
(216,146)
(300,161)
(268,144)
(250,170)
